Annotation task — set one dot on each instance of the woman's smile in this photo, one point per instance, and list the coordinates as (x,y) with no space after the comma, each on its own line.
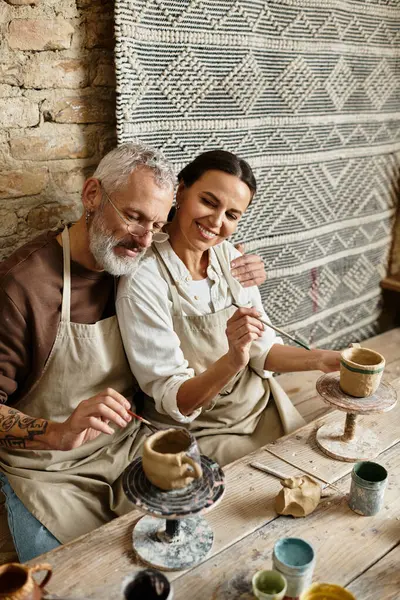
(205,232)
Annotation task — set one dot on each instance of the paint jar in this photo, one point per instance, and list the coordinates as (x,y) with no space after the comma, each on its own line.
(326,591)
(295,559)
(269,585)
(368,483)
(148,584)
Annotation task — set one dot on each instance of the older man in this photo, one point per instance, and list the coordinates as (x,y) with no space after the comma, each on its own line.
(65,433)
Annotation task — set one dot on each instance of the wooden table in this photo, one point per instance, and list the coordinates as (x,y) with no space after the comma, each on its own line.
(361,553)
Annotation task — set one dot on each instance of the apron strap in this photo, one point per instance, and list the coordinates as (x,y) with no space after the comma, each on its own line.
(290,417)
(225,268)
(176,301)
(66,299)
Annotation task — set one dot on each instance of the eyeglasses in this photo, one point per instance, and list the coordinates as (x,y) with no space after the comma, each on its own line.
(135,229)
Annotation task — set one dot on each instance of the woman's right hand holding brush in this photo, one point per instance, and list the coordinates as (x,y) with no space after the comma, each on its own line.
(242,329)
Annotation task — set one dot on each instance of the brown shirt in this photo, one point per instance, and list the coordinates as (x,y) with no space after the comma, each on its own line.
(31,282)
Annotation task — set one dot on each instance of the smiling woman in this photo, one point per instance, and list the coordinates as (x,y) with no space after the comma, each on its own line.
(208,212)
(214,191)
(201,362)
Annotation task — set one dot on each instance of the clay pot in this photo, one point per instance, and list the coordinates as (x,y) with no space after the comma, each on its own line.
(171,459)
(17,583)
(360,371)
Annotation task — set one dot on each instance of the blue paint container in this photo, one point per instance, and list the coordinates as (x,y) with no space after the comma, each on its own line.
(294,558)
(367,491)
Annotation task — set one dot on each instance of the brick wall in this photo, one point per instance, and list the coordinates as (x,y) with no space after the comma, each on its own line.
(57,109)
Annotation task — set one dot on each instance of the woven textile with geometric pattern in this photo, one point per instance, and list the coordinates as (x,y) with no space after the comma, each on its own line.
(308,91)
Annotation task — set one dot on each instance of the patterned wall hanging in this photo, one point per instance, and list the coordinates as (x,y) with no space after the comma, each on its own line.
(308,91)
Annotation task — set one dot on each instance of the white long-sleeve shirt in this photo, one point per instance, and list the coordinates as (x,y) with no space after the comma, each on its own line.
(144,309)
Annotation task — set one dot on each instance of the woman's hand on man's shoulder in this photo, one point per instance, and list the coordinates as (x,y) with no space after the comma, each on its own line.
(248,269)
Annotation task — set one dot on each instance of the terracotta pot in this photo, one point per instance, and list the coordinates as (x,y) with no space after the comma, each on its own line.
(360,371)
(17,583)
(171,459)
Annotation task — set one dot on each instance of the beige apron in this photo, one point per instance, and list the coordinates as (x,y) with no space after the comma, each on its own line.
(73,492)
(241,418)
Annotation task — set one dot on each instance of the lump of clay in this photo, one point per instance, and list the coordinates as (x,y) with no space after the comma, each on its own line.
(298,497)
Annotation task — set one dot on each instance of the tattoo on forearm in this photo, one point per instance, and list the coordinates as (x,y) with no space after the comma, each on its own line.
(13,443)
(24,429)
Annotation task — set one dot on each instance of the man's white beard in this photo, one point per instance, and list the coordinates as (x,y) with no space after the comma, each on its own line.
(102,246)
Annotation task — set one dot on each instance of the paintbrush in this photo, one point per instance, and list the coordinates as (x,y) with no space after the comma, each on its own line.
(279,475)
(277,329)
(152,427)
(304,470)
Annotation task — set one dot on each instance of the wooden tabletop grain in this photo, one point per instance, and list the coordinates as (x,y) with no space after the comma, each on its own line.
(360,553)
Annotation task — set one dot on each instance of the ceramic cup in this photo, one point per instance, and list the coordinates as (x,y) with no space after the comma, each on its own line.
(367,491)
(171,459)
(148,584)
(360,371)
(17,583)
(326,591)
(269,585)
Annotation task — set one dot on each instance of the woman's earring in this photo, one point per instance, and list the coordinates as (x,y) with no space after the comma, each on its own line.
(177,206)
(87,217)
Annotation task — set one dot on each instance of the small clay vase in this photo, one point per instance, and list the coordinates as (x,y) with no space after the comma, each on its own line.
(17,583)
(171,459)
(360,371)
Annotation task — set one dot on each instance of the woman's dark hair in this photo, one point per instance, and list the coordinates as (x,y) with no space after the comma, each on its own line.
(218,160)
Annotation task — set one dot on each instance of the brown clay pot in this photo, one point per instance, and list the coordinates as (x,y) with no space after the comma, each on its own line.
(360,371)
(171,459)
(17,583)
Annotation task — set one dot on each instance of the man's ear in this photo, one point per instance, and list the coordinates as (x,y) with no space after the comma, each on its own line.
(91,194)
(179,192)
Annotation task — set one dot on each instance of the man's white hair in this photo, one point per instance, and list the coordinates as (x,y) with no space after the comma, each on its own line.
(116,167)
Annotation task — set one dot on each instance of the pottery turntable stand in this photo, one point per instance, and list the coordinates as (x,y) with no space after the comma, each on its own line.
(173,536)
(354,442)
